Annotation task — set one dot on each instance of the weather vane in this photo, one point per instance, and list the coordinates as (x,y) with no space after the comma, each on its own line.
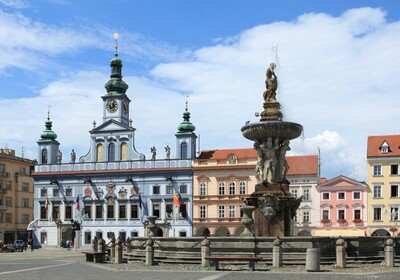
(48,111)
(187,101)
(116,35)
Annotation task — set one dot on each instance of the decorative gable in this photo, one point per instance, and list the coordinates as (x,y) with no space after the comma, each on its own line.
(384,147)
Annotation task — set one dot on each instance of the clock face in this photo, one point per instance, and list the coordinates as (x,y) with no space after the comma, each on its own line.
(112,106)
(125,106)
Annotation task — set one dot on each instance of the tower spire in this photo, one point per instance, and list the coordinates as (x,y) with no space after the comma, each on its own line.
(116,35)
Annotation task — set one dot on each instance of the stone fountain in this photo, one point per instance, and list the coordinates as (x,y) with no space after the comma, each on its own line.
(270,209)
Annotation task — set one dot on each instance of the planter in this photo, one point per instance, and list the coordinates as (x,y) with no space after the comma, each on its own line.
(325,222)
(358,222)
(341,221)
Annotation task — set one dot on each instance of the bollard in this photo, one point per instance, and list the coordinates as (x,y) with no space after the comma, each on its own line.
(149,252)
(341,252)
(277,253)
(205,252)
(118,251)
(389,252)
(312,259)
(94,244)
(112,249)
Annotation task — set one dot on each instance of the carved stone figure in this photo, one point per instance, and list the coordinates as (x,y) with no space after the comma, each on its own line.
(271,84)
(73,156)
(260,161)
(153,152)
(167,152)
(284,166)
(59,156)
(270,162)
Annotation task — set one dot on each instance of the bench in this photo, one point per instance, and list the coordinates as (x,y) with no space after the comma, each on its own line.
(214,260)
(96,257)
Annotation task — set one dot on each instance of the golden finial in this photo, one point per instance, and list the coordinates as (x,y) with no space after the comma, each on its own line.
(116,35)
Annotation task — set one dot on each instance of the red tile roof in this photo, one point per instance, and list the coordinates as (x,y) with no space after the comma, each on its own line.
(375,142)
(299,165)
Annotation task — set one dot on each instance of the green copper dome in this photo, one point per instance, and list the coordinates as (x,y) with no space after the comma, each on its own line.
(186,125)
(48,134)
(116,85)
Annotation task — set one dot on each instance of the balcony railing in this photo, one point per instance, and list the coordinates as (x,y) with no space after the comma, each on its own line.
(5,174)
(3,207)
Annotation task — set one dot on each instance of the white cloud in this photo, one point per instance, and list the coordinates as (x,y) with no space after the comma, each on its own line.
(337,77)
(16,4)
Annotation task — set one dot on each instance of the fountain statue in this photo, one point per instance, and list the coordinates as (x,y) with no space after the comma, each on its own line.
(274,206)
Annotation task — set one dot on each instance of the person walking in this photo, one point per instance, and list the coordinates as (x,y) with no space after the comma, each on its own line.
(68,244)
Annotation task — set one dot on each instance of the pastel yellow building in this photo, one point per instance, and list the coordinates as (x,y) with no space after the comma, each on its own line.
(16,196)
(383,160)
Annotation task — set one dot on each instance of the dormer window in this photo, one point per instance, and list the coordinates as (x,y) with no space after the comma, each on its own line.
(385,148)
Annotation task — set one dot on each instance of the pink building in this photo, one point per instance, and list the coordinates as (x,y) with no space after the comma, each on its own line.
(342,207)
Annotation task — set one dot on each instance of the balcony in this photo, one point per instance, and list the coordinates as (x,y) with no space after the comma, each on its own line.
(3,207)
(4,174)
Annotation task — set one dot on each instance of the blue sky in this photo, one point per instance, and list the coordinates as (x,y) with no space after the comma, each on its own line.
(338,68)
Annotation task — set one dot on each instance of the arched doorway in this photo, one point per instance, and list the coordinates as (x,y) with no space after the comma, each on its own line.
(159,232)
(67,233)
(304,233)
(380,232)
(203,231)
(222,231)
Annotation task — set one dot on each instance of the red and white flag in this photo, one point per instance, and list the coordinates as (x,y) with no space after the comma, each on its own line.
(77,205)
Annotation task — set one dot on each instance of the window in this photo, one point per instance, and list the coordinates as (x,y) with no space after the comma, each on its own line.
(99,234)
(68,211)
(68,192)
(306,194)
(122,236)
(25,187)
(394,191)
(202,189)
(25,218)
(184,150)
(394,169)
(384,150)
(43,192)
(88,237)
(170,189)
(22,171)
(111,152)
(294,192)
(99,154)
(183,210)
(8,218)
(221,188)
(8,201)
(183,188)
(182,233)
(242,187)
(124,151)
(122,211)
(325,214)
(25,202)
(110,211)
(306,217)
(325,196)
(43,212)
(202,211)
(232,188)
(341,195)
(156,210)
(169,210)
(8,185)
(231,211)
(377,170)
(2,168)
(44,156)
(88,211)
(377,214)
(394,214)
(134,233)
(56,192)
(378,191)
(221,211)
(356,195)
(135,211)
(357,214)
(156,189)
(99,211)
(56,212)
(341,215)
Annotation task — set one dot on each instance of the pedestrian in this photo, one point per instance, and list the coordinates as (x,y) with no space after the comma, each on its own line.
(30,244)
(68,244)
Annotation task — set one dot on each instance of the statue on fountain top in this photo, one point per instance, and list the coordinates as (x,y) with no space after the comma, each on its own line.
(271,84)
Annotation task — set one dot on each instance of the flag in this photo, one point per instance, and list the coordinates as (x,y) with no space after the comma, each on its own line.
(140,201)
(46,203)
(177,201)
(77,206)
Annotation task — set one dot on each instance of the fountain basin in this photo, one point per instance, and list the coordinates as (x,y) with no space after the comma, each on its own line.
(262,130)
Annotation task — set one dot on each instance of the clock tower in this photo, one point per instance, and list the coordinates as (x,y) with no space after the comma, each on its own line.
(116,102)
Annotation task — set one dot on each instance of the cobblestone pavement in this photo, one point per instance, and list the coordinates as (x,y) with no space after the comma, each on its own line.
(62,264)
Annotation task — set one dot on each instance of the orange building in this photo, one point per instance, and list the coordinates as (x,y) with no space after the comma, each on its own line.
(223,177)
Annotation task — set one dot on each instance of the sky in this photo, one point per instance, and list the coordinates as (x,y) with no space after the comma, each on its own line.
(337,67)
